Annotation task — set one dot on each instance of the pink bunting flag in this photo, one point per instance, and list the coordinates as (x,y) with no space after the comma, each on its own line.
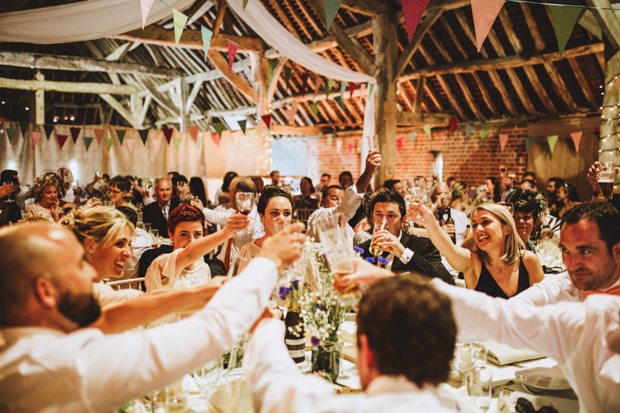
(353,85)
(35,137)
(216,139)
(232,52)
(503,140)
(413,11)
(235,136)
(2,120)
(99,135)
(145,8)
(453,123)
(350,148)
(75,132)
(318,82)
(577,139)
(485,12)
(399,143)
(362,91)
(193,131)
(168,134)
(130,143)
(338,145)
(62,139)
(156,143)
(266,120)
(290,114)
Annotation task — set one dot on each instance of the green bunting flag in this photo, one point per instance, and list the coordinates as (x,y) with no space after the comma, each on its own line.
(468,130)
(287,75)
(252,133)
(331,9)
(564,19)
(272,67)
(427,130)
(484,134)
(219,127)
(121,135)
(245,3)
(529,141)
(48,131)
(24,127)
(11,132)
(177,142)
(552,141)
(87,142)
(412,136)
(328,89)
(343,88)
(180,20)
(339,101)
(372,86)
(108,143)
(330,138)
(314,107)
(206,39)
(199,141)
(243,124)
(144,134)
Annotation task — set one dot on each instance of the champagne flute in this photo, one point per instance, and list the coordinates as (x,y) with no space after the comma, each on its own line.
(375,249)
(245,202)
(8,199)
(416,188)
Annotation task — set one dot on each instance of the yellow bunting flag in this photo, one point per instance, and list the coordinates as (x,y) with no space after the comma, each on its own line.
(180,20)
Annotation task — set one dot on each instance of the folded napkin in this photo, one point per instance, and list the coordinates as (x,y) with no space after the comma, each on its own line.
(232,397)
(502,354)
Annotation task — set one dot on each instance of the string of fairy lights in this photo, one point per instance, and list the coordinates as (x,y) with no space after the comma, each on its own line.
(612,116)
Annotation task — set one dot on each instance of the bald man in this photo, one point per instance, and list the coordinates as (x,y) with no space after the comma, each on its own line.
(49,364)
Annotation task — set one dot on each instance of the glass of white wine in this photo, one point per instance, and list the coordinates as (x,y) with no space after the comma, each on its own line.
(416,187)
(375,249)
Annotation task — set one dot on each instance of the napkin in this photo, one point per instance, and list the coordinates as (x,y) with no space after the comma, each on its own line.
(232,397)
(348,332)
(502,354)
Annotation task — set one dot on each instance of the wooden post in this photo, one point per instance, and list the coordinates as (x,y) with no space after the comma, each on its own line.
(386,52)
(264,99)
(183,109)
(39,97)
(611,110)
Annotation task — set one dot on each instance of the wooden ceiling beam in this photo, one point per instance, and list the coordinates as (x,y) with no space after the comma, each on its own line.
(607,20)
(295,130)
(68,87)
(433,119)
(236,80)
(444,85)
(219,19)
(583,83)
(368,7)
(283,17)
(434,96)
(416,41)
(485,95)
(419,94)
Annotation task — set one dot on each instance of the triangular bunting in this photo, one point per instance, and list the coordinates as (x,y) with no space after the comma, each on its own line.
(468,130)
(245,3)
(351,90)
(399,143)
(206,39)
(412,136)
(331,9)
(503,140)
(328,88)
(61,139)
(2,120)
(121,135)
(180,20)
(199,141)
(144,135)
(372,86)
(343,88)
(177,142)
(287,76)
(10,133)
(564,19)
(350,150)
(168,134)
(24,127)
(330,139)
(427,130)
(35,138)
(219,127)
(252,133)
(193,131)
(453,123)
(87,142)
(339,101)
(216,138)
(318,82)
(156,143)
(485,12)
(338,145)
(577,139)
(235,136)
(413,11)
(552,141)
(232,52)
(75,132)
(99,135)
(314,107)
(290,115)
(130,143)
(266,120)
(529,141)
(242,124)
(48,131)
(272,67)
(484,134)
(145,8)
(108,143)
(304,82)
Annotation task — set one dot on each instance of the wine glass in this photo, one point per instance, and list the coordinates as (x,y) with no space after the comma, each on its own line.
(245,202)
(375,249)
(416,188)
(8,199)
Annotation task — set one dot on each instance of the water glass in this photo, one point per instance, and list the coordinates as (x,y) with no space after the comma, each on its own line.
(479,385)
(177,395)
(209,376)
(147,226)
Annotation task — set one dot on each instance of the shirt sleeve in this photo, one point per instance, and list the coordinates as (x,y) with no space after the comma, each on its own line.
(406,257)
(117,368)
(349,203)
(552,289)
(217,216)
(277,384)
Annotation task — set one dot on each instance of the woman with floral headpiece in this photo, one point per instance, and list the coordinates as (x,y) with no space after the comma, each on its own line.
(527,210)
(46,190)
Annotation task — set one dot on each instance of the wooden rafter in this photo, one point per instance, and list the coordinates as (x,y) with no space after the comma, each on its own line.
(607,20)
(583,83)
(419,94)
(367,7)
(275,4)
(298,20)
(416,41)
(68,87)
(237,81)
(219,19)
(433,119)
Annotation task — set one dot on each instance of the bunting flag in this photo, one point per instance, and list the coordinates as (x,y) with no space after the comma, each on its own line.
(552,141)
(372,86)
(235,136)
(413,11)
(232,52)
(2,120)
(219,127)
(24,127)
(468,130)
(75,132)
(99,135)
(503,140)
(483,136)
(216,138)
(287,76)
(338,145)
(564,19)
(144,135)
(177,142)
(320,134)
(290,114)
(529,141)
(253,64)
(330,138)
(130,143)
(252,133)
(48,131)
(453,123)
(304,82)
(427,130)
(272,67)
(339,101)
(121,135)
(350,148)
(343,88)
(351,90)
(328,89)
(206,40)
(245,3)
(145,8)
(168,134)
(180,20)
(331,8)
(87,142)
(193,131)
(199,141)
(485,12)
(362,91)
(399,143)
(11,132)
(577,139)
(35,138)
(242,124)
(318,82)
(412,136)
(266,120)
(61,140)
(314,107)
(108,143)
(156,143)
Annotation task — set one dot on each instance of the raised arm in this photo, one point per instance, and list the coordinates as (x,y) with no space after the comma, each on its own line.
(373,160)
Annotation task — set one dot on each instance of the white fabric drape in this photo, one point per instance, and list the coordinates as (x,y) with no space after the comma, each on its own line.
(81,21)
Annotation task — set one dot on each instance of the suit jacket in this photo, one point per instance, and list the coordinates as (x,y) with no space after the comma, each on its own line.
(151,214)
(426,258)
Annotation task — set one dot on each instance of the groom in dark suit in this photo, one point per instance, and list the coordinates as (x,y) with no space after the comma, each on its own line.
(408,253)
(157,213)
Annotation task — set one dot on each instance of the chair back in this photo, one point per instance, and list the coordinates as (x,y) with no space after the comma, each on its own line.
(304,214)
(132,284)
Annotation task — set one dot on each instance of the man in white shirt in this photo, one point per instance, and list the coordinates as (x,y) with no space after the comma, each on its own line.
(590,244)
(406,336)
(440,198)
(345,201)
(48,365)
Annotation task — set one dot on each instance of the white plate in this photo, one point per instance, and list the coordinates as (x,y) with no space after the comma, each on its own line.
(543,378)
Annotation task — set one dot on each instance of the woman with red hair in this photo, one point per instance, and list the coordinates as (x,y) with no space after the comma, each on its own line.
(184,267)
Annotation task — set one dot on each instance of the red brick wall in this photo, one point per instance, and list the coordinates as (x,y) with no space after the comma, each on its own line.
(465,159)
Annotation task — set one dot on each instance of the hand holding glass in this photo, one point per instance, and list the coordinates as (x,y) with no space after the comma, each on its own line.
(245,202)
(606,180)
(416,188)
(9,200)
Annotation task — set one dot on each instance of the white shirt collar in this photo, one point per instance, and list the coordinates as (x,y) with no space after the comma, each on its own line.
(14,334)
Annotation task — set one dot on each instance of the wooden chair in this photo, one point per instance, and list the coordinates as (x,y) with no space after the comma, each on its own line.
(303,214)
(126,284)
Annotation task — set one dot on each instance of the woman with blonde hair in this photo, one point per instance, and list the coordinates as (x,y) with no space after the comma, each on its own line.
(500,267)
(47,191)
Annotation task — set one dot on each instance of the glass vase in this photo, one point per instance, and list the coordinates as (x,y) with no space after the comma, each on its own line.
(326,358)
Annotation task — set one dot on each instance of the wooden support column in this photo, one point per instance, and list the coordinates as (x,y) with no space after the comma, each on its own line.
(183,108)
(385,44)
(264,99)
(39,97)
